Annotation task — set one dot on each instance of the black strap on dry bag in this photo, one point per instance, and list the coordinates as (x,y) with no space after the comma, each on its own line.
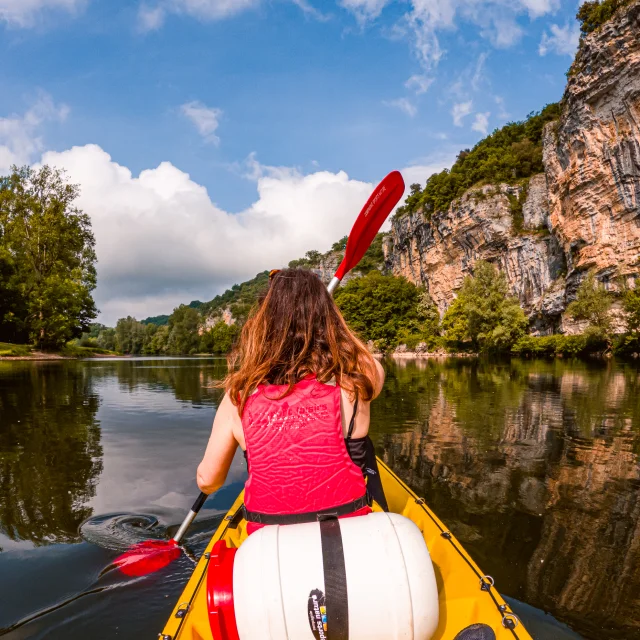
(335,580)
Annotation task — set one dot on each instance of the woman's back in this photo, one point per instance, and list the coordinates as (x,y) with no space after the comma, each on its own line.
(296,454)
(295,378)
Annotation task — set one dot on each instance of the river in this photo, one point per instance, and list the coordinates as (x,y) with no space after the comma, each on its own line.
(534,465)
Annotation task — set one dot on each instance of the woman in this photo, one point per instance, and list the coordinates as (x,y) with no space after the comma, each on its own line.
(296,400)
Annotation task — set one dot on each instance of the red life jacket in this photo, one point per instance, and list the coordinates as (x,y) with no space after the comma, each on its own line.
(296,454)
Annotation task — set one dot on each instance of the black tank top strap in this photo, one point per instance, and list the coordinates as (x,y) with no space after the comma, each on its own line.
(352,423)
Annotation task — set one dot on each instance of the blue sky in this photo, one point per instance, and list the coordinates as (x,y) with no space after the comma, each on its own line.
(255,106)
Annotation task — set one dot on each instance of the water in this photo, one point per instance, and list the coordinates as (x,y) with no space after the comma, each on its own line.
(533,465)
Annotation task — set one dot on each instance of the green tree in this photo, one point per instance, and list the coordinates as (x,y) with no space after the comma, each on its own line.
(483,315)
(379,306)
(341,245)
(593,304)
(184,324)
(107,339)
(220,338)
(595,13)
(47,253)
(631,306)
(129,336)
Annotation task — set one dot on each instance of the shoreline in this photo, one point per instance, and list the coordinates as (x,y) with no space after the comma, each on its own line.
(424,355)
(40,356)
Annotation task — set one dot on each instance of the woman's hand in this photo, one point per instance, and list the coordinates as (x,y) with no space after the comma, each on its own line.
(215,465)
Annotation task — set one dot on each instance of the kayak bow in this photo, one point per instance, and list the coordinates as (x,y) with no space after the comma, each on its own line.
(466,596)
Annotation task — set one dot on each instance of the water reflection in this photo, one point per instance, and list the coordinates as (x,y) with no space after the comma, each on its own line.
(50,453)
(535,467)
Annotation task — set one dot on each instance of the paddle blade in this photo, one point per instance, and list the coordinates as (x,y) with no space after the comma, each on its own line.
(382,201)
(147,557)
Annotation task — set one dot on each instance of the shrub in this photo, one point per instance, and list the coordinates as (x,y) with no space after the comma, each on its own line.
(593,304)
(483,316)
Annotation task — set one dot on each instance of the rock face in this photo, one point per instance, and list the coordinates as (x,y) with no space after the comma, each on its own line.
(583,213)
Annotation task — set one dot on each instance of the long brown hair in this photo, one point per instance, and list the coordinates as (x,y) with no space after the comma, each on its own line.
(297,330)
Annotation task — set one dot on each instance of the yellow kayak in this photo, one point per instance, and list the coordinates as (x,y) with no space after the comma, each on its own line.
(466,596)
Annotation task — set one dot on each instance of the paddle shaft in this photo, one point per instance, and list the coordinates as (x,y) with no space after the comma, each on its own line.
(186,523)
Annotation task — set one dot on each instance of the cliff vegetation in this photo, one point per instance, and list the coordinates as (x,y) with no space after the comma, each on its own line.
(508,155)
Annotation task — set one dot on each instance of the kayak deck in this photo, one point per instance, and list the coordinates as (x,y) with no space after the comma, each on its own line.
(465,595)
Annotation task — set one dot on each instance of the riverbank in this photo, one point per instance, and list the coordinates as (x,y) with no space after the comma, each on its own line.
(10,352)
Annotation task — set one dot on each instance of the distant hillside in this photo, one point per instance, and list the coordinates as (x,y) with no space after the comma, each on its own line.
(162,320)
(238,299)
(241,297)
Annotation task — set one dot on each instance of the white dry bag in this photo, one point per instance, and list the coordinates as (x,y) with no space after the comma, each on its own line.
(362,578)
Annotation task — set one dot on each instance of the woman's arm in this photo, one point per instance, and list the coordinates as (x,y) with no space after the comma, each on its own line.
(212,471)
(379,378)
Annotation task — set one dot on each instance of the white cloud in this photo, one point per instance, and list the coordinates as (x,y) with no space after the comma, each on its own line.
(460,111)
(421,24)
(205,119)
(309,10)
(24,13)
(404,104)
(365,10)
(211,9)
(481,123)
(150,18)
(562,40)
(503,114)
(19,134)
(421,171)
(161,240)
(418,83)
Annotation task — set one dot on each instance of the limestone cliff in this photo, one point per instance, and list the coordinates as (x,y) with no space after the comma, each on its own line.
(582,213)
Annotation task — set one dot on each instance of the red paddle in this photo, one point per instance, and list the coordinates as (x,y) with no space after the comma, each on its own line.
(385,197)
(152,555)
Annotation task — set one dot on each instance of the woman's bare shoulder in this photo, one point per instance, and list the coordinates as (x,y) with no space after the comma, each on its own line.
(380,375)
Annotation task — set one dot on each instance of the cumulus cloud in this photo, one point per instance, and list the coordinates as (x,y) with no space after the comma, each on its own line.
(460,110)
(481,123)
(404,104)
(19,134)
(24,13)
(561,40)
(162,240)
(420,171)
(205,119)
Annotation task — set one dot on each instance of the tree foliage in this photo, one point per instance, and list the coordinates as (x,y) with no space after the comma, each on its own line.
(631,306)
(592,305)
(47,259)
(483,315)
(507,155)
(593,14)
(378,307)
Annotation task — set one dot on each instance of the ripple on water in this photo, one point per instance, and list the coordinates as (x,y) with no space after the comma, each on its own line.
(119,531)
